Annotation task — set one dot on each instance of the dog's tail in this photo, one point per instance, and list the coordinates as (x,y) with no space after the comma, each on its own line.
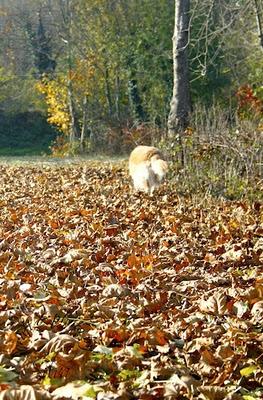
(159,167)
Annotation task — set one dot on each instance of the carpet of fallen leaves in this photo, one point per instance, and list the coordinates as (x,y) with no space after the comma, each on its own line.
(108,294)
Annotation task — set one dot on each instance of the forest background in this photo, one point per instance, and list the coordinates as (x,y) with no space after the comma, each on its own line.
(97,77)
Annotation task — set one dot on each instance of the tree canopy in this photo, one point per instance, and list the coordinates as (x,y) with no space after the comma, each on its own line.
(102,69)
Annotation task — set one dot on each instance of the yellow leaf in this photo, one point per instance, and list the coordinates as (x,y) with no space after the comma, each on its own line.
(248,370)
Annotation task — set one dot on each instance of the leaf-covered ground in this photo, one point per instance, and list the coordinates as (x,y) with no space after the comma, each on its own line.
(109,294)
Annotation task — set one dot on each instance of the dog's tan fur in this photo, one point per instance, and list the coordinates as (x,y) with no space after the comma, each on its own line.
(147,168)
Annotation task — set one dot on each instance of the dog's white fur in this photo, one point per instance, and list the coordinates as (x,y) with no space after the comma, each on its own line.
(147,168)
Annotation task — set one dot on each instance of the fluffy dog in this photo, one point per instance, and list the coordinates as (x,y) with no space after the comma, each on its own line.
(147,168)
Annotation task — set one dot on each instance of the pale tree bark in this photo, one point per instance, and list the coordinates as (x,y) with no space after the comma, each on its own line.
(68,22)
(259,16)
(108,88)
(73,131)
(117,95)
(84,128)
(180,104)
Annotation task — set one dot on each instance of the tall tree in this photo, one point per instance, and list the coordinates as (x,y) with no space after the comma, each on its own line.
(63,16)
(43,52)
(180,103)
(259,16)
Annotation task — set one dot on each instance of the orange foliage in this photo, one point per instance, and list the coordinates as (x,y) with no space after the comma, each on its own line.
(249,104)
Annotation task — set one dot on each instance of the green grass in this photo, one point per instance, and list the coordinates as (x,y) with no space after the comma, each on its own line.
(40,159)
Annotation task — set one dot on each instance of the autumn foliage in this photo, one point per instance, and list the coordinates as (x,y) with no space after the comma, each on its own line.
(249,104)
(55,92)
(108,294)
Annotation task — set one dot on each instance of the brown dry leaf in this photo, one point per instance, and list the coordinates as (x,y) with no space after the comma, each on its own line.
(72,255)
(258,246)
(240,308)
(208,357)
(76,390)
(10,343)
(49,253)
(58,343)
(101,284)
(199,343)
(232,255)
(215,304)
(115,290)
(257,312)
(225,352)
(217,393)
(24,392)
(176,384)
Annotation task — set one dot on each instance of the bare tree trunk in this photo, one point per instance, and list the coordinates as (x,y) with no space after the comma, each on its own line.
(259,16)
(73,132)
(180,104)
(84,123)
(108,89)
(68,20)
(117,95)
